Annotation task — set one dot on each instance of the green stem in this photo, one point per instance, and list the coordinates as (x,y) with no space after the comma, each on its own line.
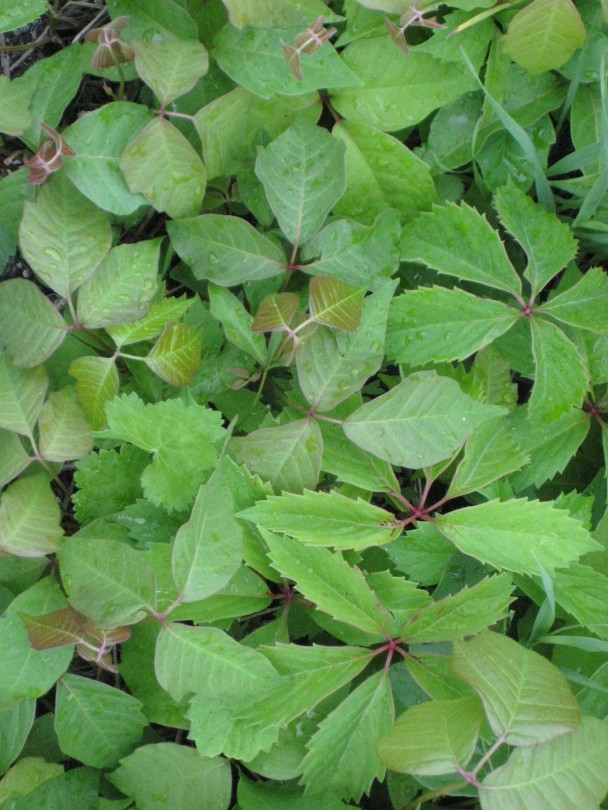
(434,794)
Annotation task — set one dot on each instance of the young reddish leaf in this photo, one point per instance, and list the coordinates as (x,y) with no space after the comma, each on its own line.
(176,355)
(336,304)
(275,313)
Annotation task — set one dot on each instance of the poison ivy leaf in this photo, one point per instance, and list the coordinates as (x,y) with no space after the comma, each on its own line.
(99,138)
(275,13)
(584,305)
(568,765)
(336,304)
(490,454)
(76,789)
(225,250)
(562,378)
(394,92)
(237,322)
(437,324)
(170,67)
(324,519)
(276,313)
(13,458)
(548,242)
(342,757)
(289,456)
(469,247)
(106,580)
(153,772)
(15,117)
(183,438)
(302,172)
(96,724)
(253,58)
(363,257)
(64,430)
(176,355)
(24,777)
(326,579)
(30,326)
(518,535)
(162,165)
(333,366)
(352,465)
(148,17)
(22,394)
(159,315)
(238,672)
(15,725)
(26,673)
(30,518)
(16,15)
(208,549)
(421,421)
(108,481)
(526,699)
(544,35)
(437,737)
(229,127)
(122,287)
(96,383)
(65,627)
(463,614)
(276,796)
(381,173)
(63,236)
(433,674)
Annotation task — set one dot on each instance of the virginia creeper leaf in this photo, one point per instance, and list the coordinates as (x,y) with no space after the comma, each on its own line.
(584,305)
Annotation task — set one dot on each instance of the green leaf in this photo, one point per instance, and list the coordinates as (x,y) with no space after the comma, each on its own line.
(24,777)
(237,672)
(30,518)
(22,394)
(423,554)
(77,789)
(466,612)
(229,127)
(396,92)
(437,324)
(490,454)
(562,378)
(30,326)
(170,67)
(14,101)
(162,165)
(584,305)
(324,519)
(580,590)
(183,438)
(570,765)
(275,13)
(176,355)
(332,366)
(518,535)
(65,433)
(288,456)
(106,580)
(208,549)
(107,481)
(15,725)
(434,738)
(469,247)
(63,236)
(237,322)
(352,465)
(421,421)
(526,699)
(160,313)
(153,772)
(381,173)
(96,383)
(363,257)
(15,15)
(13,458)
(253,58)
(276,313)
(544,35)
(341,755)
(302,172)
(122,287)
(27,673)
(336,304)
(225,250)
(99,138)
(275,796)
(95,723)
(326,579)
(148,17)
(547,242)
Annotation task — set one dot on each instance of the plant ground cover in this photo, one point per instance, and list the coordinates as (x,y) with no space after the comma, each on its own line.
(303,396)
